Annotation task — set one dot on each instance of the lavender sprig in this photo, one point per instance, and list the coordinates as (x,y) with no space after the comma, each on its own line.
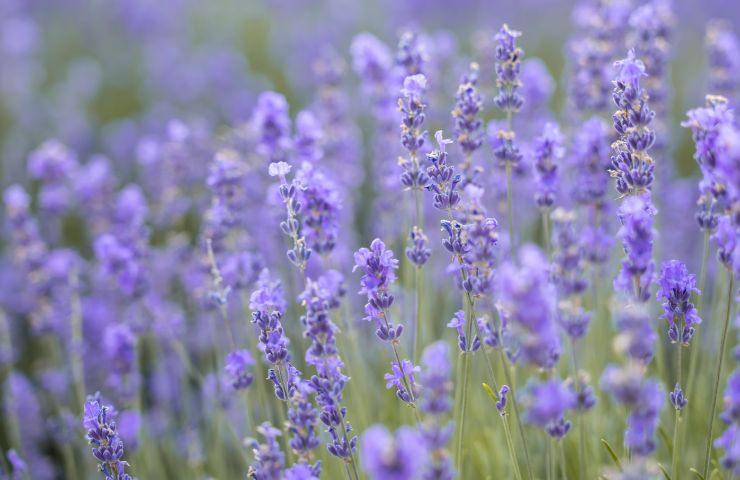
(102,434)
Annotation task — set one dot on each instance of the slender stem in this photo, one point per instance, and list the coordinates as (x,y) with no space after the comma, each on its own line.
(418,330)
(515,406)
(404,377)
(510,445)
(509,213)
(546,231)
(694,361)
(677,419)
(463,402)
(561,449)
(718,374)
(581,419)
(76,345)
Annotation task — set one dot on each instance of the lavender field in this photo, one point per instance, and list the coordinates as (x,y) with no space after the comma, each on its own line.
(390,240)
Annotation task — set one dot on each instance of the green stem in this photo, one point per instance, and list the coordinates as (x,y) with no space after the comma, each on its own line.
(677,418)
(509,213)
(581,420)
(510,445)
(718,374)
(546,231)
(694,361)
(76,346)
(463,406)
(561,449)
(418,333)
(515,406)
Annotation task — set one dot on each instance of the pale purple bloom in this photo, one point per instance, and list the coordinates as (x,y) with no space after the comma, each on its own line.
(269,460)
(458,323)
(271,123)
(636,233)
(545,405)
(548,151)
(386,456)
(631,164)
(107,447)
(676,285)
(528,301)
(237,368)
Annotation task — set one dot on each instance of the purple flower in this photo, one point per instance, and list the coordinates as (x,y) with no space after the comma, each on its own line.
(320,207)
(528,302)
(402,378)
(632,166)
(237,368)
(723,51)
(269,460)
(600,28)
(458,323)
(675,287)
(545,405)
(678,399)
(508,65)
(302,420)
(100,422)
(466,113)
(411,54)
(328,384)
(386,456)
(636,335)
(411,105)
(643,398)
(267,307)
(730,443)
(590,162)
(728,247)
(503,395)
(303,471)
(378,266)
(443,180)
(271,124)
(309,136)
(436,379)
(636,234)
(292,226)
(707,125)
(548,151)
(417,251)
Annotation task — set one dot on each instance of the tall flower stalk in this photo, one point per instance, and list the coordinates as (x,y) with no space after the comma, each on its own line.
(505,149)
(411,104)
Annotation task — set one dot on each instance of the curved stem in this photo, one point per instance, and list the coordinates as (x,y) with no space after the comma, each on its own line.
(718,374)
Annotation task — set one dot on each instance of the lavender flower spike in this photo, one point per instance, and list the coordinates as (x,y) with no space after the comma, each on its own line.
(548,151)
(675,287)
(393,457)
(632,166)
(102,434)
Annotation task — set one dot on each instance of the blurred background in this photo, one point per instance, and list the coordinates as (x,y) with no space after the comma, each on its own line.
(96,73)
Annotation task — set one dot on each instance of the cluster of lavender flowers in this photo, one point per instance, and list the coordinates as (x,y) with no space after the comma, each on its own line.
(202,287)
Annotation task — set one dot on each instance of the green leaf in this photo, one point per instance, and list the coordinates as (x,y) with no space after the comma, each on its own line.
(664,436)
(490,392)
(665,472)
(614,456)
(696,472)
(715,475)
